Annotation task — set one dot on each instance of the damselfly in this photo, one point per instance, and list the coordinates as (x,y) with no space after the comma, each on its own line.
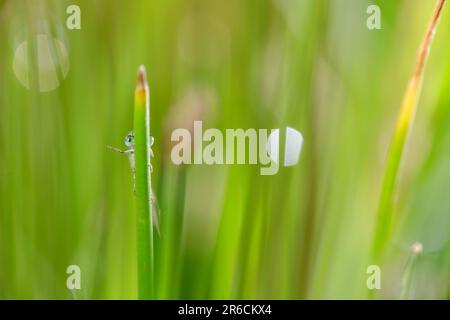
(129,143)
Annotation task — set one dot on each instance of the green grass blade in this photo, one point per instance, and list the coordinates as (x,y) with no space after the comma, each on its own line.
(408,275)
(404,124)
(145,254)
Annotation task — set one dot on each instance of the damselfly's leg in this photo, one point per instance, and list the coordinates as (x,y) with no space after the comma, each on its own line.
(150,151)
(118,150)
(152,141)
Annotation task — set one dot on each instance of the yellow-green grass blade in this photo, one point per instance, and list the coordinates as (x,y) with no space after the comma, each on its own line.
(404,124)
(144,221)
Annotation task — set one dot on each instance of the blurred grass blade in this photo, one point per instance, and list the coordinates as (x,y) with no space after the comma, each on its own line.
(408,275)
(144,217)
(404,123)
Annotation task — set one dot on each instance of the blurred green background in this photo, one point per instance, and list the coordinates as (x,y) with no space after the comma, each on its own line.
(226,232)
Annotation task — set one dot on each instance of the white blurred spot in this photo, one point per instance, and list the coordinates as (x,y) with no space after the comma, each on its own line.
(292,149)
(417,248)
(52,62)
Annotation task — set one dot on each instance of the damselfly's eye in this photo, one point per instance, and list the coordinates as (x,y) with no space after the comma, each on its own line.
(129,140)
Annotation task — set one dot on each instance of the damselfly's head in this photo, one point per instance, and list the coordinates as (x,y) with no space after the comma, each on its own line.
(129,140)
